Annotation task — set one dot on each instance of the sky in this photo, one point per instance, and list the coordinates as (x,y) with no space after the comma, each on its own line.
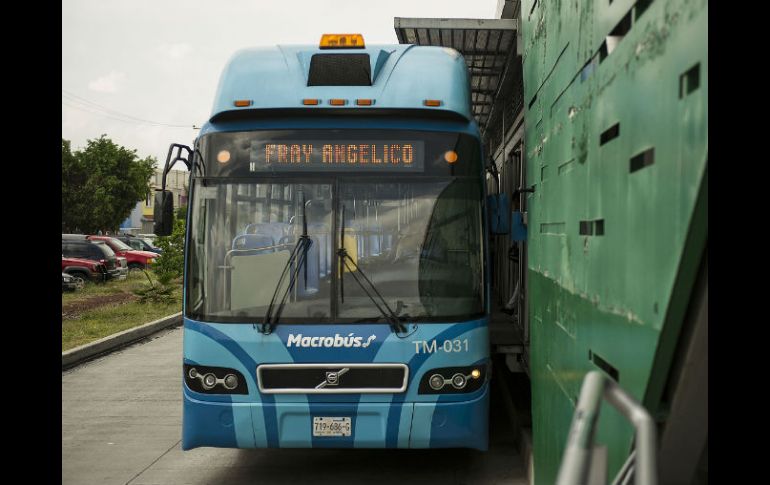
(145,72)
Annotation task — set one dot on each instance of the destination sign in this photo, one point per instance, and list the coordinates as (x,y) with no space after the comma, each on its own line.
(324,155)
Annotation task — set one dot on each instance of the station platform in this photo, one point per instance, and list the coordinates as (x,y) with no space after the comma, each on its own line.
(504,329)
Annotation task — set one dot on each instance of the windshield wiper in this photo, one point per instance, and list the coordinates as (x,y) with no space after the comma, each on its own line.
(300,249)
(389,315)
(401,318)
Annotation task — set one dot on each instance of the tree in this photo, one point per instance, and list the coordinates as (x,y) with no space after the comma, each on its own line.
(168,266)
(170,263)
(74,177)
(101,185)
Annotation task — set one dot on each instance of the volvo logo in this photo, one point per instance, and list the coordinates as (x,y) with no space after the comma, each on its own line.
(332,378)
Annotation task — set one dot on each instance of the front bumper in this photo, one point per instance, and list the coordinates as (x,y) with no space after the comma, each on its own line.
(99,277)
(113,274)
(69,286)
(275,424)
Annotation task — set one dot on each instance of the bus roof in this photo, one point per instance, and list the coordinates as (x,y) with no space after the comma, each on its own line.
(403,76)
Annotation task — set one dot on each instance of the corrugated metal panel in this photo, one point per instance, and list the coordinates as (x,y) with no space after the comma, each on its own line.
(484,43)
(610,288)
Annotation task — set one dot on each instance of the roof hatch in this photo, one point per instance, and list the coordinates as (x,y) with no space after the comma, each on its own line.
(340,70)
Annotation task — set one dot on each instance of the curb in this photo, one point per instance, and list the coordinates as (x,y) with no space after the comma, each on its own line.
(108,344)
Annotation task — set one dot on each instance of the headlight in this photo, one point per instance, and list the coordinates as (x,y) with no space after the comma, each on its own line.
(454,380)
(151,261)
(459,380)
(231,382)
(436,382)
(214,380)
(209,381)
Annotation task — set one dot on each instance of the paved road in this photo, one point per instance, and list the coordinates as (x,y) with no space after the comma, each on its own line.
(121,424)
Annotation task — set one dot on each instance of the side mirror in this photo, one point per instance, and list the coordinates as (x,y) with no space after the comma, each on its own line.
(163,213)
(499,214)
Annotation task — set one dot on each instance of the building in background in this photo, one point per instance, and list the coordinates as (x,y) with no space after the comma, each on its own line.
(133,223)
(141,219)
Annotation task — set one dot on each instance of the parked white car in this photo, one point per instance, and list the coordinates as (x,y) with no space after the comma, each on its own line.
(123,267)
(149,238)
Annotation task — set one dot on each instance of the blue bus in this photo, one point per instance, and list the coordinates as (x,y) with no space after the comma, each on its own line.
(336,264)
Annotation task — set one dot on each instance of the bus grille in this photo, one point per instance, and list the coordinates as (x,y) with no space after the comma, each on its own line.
(332,378)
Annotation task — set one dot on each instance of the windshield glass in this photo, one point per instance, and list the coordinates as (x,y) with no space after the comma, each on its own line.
(417,236)
(243,234)
(120,244)
(419,243)
(108,252)
(137,244)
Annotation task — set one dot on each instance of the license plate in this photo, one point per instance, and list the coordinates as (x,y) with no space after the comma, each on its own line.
(328,426)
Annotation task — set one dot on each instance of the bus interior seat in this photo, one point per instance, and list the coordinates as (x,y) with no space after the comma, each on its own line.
(267,263)
(276,230)
(321,235)
(252,241)
(387,241)
(370,239)
(375,239)
(351,246)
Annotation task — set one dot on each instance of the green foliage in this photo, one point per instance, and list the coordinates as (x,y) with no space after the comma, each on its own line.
(166,278)
(170,264)
(98,311)
(157,293)
(101,185)
(74,176)
(181,212)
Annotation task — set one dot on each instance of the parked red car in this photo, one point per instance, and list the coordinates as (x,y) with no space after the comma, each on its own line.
(136,259)
(84,269)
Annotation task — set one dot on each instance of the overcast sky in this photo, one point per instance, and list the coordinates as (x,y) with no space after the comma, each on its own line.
(145,71)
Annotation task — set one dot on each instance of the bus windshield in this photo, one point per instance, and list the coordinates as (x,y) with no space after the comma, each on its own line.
(416,235)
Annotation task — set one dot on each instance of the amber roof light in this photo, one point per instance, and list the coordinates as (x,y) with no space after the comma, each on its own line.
(342,41)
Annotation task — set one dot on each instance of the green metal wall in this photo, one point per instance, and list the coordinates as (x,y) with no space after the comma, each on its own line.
(619,296)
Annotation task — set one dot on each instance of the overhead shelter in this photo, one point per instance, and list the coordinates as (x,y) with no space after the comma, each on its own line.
(487,46)
(492,50)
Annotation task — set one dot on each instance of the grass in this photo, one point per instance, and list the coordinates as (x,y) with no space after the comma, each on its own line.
(99,310)
(135,280)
